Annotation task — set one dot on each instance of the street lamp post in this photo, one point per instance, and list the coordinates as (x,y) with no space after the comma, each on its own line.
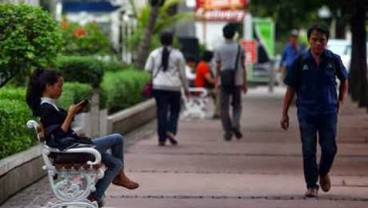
(324,13)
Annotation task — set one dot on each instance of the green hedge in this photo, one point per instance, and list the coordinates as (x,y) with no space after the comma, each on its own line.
(124,88)
(83,69)
(14,113)
(114,66)
(13,94)
(73,92)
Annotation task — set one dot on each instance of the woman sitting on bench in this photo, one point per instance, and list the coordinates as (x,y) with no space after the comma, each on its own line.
(45,87)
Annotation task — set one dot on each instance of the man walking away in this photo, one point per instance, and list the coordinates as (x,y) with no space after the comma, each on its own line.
(312,76)
(231,78)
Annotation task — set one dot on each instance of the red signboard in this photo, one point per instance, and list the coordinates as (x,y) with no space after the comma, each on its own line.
(250,47)
(221,4)
(221,15)
(221,10)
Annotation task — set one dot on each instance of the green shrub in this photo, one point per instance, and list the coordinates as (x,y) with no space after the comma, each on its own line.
(14,135)
(73,92)
(29,37)
(124,88)
(114,66)
(83,69)
(13,94)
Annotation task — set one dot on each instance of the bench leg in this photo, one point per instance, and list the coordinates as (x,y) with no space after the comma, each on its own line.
(73,187)
(73,204)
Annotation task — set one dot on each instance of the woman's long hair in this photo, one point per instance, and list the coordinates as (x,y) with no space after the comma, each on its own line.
(36,86)
(166,40)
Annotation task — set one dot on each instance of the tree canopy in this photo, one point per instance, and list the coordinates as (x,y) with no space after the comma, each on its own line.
(29,37)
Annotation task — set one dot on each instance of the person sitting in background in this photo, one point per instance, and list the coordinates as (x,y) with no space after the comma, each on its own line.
(205,79)
(190,69)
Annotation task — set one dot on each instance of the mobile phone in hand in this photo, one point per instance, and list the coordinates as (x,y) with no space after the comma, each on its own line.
(85,102)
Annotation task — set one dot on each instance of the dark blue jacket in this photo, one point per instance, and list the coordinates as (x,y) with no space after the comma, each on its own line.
(316,86)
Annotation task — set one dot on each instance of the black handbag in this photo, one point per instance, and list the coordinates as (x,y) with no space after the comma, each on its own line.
(65,141)
(227,76)
(73,142)
(148,87)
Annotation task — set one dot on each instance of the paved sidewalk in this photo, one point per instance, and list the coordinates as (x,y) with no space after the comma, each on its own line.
(262,170)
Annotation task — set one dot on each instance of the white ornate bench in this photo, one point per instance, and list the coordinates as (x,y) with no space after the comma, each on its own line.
(195,105)
(72,173)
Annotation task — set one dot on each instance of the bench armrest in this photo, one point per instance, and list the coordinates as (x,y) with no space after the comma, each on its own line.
(32,124)
(87,150)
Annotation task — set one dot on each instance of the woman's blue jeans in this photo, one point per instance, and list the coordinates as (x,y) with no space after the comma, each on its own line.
(113,161)
(323,125)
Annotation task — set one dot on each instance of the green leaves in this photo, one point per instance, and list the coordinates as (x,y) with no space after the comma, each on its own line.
(287,14)
(164,20)
(29,38)
(86,40)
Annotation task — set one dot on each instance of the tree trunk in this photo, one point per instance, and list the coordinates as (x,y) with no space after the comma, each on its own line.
(358,71)
(144,45)
(363,96)
(7,75)
(49,6)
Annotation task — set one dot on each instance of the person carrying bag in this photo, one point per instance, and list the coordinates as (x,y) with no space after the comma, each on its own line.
(231,81)
(228,75)
(169,65)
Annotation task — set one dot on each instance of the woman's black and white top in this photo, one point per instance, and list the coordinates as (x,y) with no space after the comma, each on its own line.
(52,117)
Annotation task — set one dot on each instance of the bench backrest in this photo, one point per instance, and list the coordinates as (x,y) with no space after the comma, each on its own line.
(82,155)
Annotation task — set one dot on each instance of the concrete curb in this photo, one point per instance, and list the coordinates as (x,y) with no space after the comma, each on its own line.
(126,120)
(20,170)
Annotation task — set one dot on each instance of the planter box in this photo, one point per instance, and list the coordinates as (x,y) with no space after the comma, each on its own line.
(20,170)
(126,120)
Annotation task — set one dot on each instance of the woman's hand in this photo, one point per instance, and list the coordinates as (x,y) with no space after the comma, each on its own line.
(72,111)
(75,108)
